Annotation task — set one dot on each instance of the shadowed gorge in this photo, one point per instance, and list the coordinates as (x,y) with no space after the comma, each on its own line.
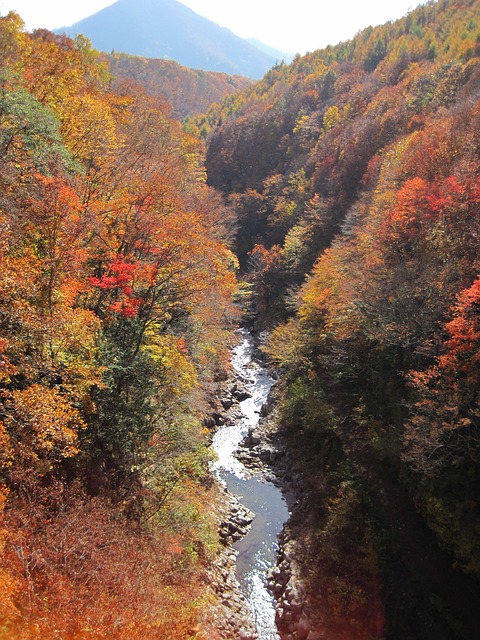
(354,173)
(331,211)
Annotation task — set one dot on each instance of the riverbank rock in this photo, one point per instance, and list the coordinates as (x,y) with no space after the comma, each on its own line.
(230,612)
(239,392)
(236,525)
(263,451)
(225,405)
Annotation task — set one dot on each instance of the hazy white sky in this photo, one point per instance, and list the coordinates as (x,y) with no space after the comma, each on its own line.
(293,26)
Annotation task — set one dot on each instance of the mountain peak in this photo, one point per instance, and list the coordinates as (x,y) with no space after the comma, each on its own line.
(170,30)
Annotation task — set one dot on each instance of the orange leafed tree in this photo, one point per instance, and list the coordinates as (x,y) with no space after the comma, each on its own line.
(445,419)
(116,288)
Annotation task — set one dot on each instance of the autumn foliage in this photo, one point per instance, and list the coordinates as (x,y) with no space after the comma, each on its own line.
(346,186)
(355,174)
(116,287)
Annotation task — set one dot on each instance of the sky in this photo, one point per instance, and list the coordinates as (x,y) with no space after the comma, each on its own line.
(295,26)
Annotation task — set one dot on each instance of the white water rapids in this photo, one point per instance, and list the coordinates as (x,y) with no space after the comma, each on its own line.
(257,550)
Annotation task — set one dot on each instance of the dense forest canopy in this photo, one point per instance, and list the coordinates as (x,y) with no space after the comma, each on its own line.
(115,303)
(355,175)
(346,188)
(188,91)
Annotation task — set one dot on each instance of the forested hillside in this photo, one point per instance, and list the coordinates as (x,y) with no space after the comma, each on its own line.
(346,187)
(115,303)
(188,91)
(355,176)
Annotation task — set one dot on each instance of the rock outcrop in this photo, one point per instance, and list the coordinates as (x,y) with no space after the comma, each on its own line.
(230,613)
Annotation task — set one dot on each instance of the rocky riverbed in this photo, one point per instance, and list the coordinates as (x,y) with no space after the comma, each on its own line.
(230,612)
(261,452)
(301,607)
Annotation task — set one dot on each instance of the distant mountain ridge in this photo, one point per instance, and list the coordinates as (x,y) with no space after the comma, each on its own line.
(170,30)
(188,91)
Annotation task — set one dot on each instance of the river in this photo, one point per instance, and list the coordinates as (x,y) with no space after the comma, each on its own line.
(257,550)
